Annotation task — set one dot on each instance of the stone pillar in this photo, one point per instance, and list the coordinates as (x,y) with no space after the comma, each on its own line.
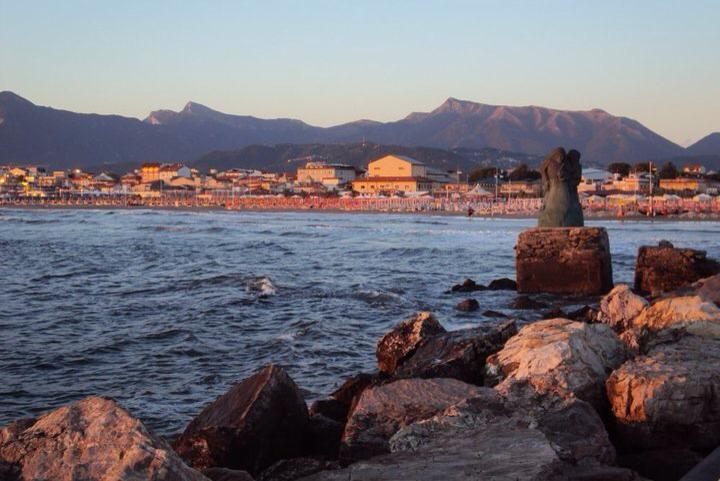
(564,260)
(665,268)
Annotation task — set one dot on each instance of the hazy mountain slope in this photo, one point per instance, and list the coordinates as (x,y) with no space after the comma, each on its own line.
(709,145)
(42,135)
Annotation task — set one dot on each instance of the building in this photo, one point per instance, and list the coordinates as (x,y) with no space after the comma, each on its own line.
(592,180)
(638,183)
(330,175)
(694,169)
(168,171)
(394,173)
(531,188)
(682,184)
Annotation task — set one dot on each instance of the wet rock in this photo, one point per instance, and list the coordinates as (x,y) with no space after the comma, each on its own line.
(572,260)
(665,268)
(668,398)
(688,314)
(91,439)
(560,356)
(291,469)
(495,314)
(330,408)
(224,474)
(468,285)
(527,303)
(351,389)
(323,437)
(554,313)
(257,422)
(502,284)
(468,305)
(661,464)
(620,307)
(382,410)
(458,354)
(404,338)
(583,314)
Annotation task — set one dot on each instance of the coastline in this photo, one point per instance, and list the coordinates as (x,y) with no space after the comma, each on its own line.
(437,213)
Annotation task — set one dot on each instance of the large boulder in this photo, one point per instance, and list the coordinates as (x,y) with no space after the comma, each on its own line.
(93,439)
(521,437)
(620,307)
(259,421)
(457,354)
(561,356)
(669,397)
(664,268)
(404,338)
(686,313)
(574,260)
(382,410)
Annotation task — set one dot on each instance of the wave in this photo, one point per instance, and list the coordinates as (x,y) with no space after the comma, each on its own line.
(262,287)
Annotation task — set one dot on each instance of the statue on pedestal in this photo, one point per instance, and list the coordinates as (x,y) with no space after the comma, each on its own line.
(561,173)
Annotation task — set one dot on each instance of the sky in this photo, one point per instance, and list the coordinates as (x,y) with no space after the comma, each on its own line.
(328,62)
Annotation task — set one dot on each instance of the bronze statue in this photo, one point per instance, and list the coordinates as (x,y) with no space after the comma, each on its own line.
(561,174)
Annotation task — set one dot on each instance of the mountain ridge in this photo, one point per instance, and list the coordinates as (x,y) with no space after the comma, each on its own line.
(43,135)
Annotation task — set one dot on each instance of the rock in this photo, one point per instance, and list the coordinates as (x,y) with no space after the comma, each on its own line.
(468,285)
(503,284)
(527,303)
(382,410)
(93,439)
(457,354)
(495,314)
(668,398)
(561,356)
(583,314)
(665,268)
(224,474)
(554,313)
(330,408)
(468,305)
(564,261)
(561,173)
(620,307)
(257,422)
(662,464)
(688,314)
(351,389)
(291,469)
(708,289)
(323,437)
(404,338)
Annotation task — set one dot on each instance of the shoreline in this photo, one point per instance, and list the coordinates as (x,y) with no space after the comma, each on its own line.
(519,216)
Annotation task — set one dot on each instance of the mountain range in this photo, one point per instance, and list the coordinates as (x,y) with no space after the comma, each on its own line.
(57,138)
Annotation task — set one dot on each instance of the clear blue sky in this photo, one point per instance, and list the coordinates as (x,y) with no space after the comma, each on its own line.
(328,62)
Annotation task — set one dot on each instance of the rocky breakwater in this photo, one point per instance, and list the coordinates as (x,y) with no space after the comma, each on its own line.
(665,411)
(665,268)
(564,260)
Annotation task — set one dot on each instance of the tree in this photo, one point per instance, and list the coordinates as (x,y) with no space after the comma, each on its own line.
(669,171)
(480,173)
(523,172)
(621,168)
(641,167)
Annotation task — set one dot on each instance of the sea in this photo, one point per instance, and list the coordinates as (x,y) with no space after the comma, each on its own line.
(164,310)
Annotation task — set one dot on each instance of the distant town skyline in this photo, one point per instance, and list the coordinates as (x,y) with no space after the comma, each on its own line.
(327,63)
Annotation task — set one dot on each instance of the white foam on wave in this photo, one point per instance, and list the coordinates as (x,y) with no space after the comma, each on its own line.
(262,286)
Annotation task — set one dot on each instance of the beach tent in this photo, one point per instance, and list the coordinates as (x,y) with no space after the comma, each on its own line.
(478,191)
(671,198)
(703,198)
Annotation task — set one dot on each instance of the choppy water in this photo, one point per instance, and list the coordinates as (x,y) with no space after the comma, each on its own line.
(164,310)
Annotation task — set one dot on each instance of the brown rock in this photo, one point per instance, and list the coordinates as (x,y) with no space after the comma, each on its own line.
(457,354)
(323,437)
(468,305)
(382,410)
(527,303)
(561,356)
(225,474)
(502,284)
(468,285)
(494,314)
(665,268)
(404,338)
(620,307)
(668,398)
(688,314)
(291,469)
(257,422)
(572,260)
(331,408)
(92,439)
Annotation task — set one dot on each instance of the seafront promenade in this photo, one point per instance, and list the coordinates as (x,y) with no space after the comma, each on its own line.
(593,206)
